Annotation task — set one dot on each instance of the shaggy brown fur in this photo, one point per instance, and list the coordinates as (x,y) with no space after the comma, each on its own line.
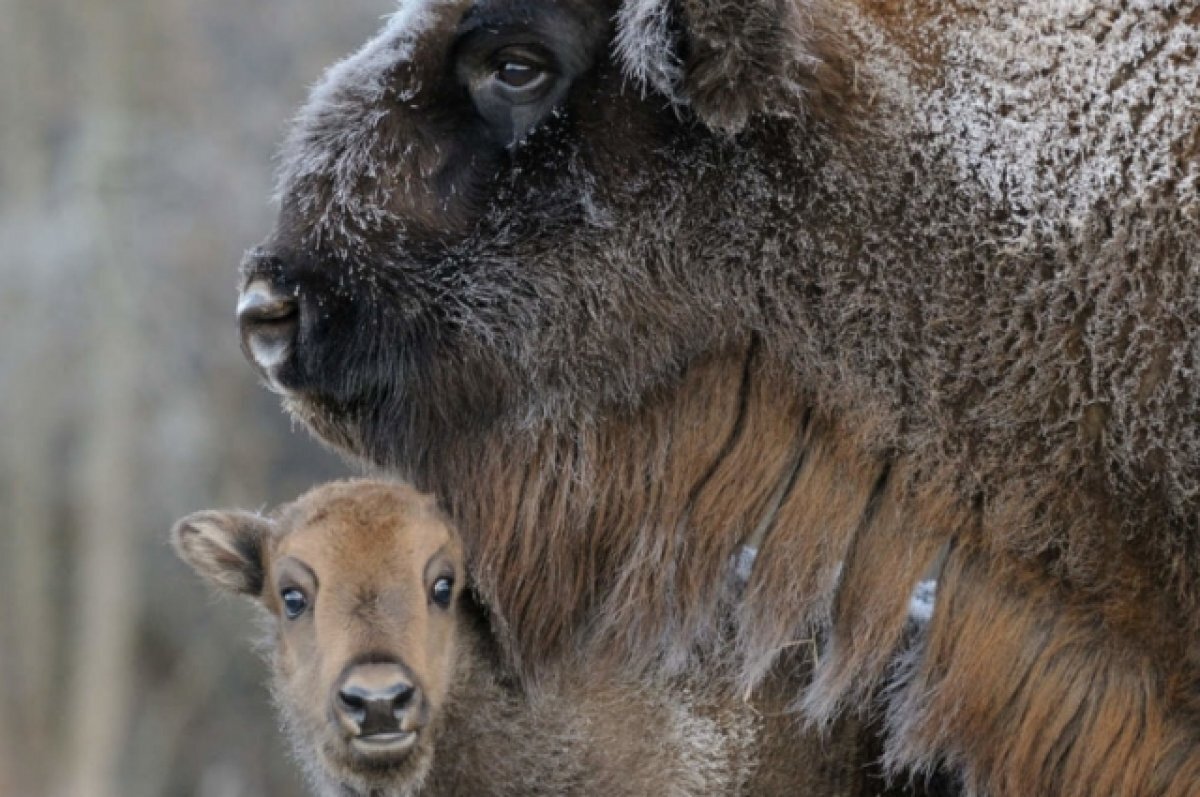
(845,280)
(577,733)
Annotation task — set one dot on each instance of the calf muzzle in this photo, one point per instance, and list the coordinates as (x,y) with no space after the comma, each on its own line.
(377,706)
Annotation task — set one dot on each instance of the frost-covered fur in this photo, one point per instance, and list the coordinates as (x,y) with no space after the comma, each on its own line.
(942,284)
(727,60)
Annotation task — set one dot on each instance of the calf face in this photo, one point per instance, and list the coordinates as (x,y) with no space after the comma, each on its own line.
(361,579)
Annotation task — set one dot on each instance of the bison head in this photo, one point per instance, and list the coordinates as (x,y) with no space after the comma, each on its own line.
(500,211)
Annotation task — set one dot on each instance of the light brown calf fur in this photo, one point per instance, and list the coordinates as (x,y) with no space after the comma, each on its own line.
(365,555)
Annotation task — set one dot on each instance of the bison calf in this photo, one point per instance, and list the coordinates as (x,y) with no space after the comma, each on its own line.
(391,682)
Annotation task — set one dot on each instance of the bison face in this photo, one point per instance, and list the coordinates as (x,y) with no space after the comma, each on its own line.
(362,582)
(495,209)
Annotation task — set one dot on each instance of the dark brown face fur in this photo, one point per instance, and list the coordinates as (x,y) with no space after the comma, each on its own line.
(401,240)
(448,239)
(362,582)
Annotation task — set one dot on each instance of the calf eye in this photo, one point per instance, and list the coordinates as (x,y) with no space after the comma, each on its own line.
(294,603)
(442,591)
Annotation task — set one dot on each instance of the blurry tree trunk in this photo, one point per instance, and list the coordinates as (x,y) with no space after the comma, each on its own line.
(22,86)
(105,612)
(28,621)
(125,133)
(28,602)
(187,692)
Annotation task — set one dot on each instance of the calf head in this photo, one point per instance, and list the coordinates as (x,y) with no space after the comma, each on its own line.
(361,581)
(521,208)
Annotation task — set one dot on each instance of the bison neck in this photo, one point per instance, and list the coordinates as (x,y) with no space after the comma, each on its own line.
(621,535)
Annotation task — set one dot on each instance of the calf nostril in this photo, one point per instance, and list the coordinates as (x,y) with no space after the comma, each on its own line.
(353,704)
(402,698)
(367,711)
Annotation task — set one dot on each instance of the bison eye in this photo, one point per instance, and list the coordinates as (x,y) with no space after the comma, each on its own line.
(513,86)
(521,75)
(294,602)
(442,591)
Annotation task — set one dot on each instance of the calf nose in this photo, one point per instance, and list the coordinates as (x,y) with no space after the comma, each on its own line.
(269,320)
(373,699)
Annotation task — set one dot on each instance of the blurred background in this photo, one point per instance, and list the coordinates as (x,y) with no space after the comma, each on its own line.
(136,144)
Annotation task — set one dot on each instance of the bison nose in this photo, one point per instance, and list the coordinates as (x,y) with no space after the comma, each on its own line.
(269,320)
(260,304)
(375,699)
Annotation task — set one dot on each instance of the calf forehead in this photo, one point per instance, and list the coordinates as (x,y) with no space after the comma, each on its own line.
(361,530)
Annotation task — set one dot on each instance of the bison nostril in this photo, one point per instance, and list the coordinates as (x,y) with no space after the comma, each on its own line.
(269,321)
(259,303)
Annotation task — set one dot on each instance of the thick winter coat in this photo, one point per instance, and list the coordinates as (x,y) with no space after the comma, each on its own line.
(632,285)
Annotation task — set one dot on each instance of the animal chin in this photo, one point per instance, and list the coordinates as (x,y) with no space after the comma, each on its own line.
(381,762)
(384,748)
(268,358)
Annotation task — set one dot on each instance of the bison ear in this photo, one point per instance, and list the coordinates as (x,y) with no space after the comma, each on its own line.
(225,548)
(728,62)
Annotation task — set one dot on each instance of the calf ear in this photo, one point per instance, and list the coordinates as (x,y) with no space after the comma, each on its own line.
(225,548)
(729,61)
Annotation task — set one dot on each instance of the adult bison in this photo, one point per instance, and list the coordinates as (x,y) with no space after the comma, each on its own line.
(632,285)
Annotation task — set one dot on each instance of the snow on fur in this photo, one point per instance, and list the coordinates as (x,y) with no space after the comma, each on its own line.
(336,136)
(848,283)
